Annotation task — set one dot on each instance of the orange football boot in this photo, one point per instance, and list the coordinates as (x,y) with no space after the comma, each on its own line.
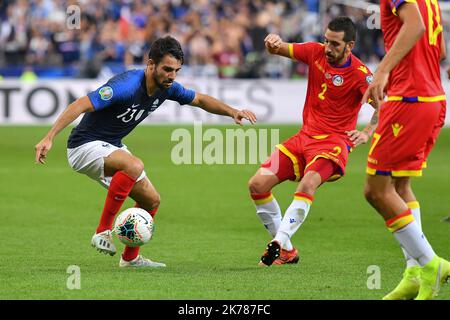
(274,254)
(287,257)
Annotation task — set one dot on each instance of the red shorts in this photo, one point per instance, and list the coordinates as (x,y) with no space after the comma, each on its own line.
(404,137)
(437,129)
(294,156)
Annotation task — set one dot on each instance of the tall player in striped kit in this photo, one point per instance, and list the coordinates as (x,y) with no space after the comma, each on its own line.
(410,121)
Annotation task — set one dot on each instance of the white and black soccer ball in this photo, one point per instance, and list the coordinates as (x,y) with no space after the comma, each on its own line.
(134,227)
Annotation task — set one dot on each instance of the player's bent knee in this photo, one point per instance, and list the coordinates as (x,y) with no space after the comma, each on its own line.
(134,168)
(155,200)
(403,187)
(149,201)
(372,195)
(308,186)
(257,185)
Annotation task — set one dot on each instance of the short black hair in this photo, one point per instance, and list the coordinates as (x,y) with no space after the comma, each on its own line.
(163,46)
(344,24)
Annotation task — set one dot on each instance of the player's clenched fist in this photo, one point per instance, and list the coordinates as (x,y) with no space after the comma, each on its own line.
(273,43)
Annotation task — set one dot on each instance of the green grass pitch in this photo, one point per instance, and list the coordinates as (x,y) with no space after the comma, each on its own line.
(207,231)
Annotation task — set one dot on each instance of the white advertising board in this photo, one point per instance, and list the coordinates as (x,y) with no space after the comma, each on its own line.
(273,101)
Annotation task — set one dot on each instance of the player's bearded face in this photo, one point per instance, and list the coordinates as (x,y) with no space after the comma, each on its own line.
(334,57)
(165,72)
(336,49)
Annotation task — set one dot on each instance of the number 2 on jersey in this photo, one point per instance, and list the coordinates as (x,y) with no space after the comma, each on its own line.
(433,18)
(324,89)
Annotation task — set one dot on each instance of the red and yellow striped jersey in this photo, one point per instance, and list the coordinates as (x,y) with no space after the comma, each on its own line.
(417,77)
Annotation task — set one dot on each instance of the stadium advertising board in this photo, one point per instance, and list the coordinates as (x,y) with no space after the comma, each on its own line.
(273,101)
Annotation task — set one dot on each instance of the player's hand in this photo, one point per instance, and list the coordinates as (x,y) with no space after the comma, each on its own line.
(375,91)
(273,42)
(244,114)
(358,137)
(41,150)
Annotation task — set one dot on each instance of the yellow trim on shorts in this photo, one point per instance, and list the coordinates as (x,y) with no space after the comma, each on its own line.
(419,99)
(396,173)
(317,157)
(293,159)
(334,177)
(407,173)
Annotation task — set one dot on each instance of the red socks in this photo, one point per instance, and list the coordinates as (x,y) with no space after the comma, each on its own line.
(120,187)
(152,212)
(130,253)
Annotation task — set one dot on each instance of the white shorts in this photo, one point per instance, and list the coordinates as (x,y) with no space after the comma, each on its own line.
(89,160)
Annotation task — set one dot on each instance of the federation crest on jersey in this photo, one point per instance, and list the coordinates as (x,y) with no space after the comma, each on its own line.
(338,80)
(369,79)
(106,93)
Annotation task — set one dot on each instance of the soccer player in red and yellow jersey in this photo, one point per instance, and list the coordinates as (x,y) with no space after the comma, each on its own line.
(410,120)
(319,151)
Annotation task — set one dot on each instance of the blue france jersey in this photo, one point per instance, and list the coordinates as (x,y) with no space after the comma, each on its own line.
(120,105)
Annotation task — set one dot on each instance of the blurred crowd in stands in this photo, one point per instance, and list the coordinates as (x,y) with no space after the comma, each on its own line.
(220,38)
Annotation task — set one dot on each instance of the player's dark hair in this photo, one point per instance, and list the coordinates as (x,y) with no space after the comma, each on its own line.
(163,46)
(344,24)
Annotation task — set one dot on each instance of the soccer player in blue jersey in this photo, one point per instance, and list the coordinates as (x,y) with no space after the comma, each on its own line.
(110,113)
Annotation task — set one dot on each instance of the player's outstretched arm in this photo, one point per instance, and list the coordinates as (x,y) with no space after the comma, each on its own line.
(412,29)
(215,106)
(73,111)
(275,45)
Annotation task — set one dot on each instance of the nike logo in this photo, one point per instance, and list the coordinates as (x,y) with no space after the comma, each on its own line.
(135,105)
(145,219)
(119,198)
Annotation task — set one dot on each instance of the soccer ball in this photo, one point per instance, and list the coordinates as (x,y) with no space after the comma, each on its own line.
(134,227)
